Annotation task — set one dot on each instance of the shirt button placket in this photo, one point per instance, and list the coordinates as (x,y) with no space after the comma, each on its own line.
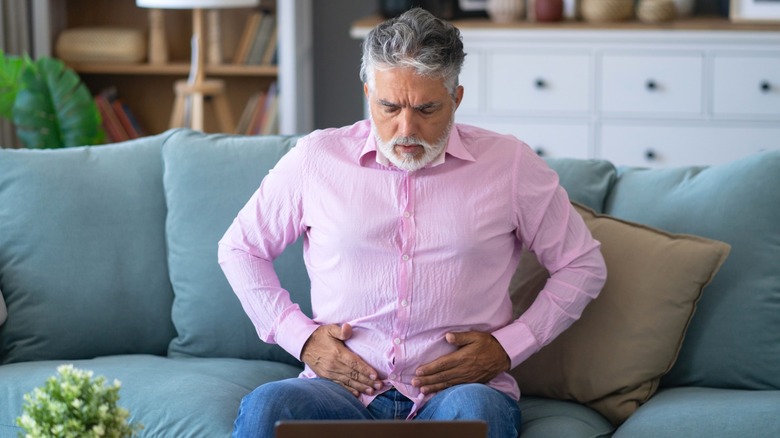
(402,318)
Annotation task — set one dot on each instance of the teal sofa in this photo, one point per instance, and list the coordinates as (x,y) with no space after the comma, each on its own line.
(108,262)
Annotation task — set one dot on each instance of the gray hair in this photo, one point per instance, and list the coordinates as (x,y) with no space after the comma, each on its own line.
(418,40)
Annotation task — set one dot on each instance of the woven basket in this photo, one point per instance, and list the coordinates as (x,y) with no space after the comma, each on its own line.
(607,10)
(654,11)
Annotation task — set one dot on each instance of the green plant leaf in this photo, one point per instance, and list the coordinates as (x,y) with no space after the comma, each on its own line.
(54,109)
(10,69)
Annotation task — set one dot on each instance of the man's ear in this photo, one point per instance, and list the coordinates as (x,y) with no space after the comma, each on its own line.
(365,89)
(458,96)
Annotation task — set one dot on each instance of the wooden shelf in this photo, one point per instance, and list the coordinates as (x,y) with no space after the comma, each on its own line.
(148,88)
(175,69)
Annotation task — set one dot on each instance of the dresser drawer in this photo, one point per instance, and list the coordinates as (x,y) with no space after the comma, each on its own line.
(651,85)
(669,146)
(746,85)
(549,140)
(538,82)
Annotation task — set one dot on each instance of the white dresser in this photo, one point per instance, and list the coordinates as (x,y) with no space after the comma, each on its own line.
(701,91)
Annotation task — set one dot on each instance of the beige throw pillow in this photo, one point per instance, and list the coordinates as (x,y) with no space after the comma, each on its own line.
(613,357)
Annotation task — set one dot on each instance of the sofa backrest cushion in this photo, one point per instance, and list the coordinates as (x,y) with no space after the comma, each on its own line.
(586,181)
(734,337)
(82,252)
(208,179)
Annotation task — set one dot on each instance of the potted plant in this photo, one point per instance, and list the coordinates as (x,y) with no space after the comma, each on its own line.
(48,104)
(74,404)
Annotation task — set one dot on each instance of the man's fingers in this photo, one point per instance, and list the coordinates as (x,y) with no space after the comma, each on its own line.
(346,332)
(329,358)
(479,358)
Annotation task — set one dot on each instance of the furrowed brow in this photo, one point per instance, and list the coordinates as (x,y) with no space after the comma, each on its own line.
(388,104)
(427,106)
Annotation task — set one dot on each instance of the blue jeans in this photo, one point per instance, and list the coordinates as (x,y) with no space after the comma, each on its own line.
(321,399)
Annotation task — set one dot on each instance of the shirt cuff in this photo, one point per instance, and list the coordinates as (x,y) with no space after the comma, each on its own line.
(294,330)
(518,342)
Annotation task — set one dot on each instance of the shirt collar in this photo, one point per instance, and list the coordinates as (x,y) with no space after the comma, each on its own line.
(455,148)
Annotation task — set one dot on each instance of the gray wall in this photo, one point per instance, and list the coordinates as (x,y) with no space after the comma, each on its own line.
(338,92)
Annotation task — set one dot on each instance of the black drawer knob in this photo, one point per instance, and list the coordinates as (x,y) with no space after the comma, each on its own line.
(540,152)
(540,83)
(650,155)
(651,85)
(765,86)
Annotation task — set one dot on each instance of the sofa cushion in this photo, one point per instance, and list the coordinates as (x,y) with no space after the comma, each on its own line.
(586,181)
(82,252)
(208,179)
(545,418)
(613,357)
(734,338)
(184,397)
(706,412)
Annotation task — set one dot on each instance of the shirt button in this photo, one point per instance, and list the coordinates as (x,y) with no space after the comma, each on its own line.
(404,303)
(407,214)
(405,257)
(397,341)
(393,376)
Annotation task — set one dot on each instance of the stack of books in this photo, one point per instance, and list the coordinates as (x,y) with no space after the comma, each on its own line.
(258,44)
(118,121)
(261,114)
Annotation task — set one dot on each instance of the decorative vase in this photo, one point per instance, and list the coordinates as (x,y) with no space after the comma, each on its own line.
(548,10)
(607,10)
(505,11)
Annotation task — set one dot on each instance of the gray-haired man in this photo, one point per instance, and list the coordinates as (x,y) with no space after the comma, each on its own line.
(413,226)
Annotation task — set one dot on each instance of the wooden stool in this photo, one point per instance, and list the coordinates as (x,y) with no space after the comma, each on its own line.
(196,92)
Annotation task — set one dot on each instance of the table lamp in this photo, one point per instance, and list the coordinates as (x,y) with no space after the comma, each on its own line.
(193,90)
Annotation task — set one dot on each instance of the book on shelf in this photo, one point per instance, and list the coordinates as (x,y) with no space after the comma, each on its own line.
(270,123)
(258,40)
(261,113)
(249,112)
(247,37)
(118,120)
(269,57)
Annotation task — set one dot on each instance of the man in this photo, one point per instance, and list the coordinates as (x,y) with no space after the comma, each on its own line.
(413,227)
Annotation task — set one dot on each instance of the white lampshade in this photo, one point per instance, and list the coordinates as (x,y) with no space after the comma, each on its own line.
(196,4)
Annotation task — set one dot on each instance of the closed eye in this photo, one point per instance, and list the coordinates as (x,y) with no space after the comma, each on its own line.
(389,107)
(427,108)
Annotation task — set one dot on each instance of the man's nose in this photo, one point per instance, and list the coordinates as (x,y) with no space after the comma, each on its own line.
(408,123)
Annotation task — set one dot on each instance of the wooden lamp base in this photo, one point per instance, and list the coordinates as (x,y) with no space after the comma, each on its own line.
(196,93)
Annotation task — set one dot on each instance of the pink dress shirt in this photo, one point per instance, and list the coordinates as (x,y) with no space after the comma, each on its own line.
(405,257)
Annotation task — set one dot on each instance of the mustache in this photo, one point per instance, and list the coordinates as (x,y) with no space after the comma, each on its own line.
(409,141)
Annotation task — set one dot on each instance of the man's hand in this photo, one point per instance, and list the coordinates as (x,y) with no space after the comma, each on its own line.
(325,353)
(479,359)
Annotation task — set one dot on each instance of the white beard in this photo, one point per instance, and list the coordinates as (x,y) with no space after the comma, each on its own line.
(411,162)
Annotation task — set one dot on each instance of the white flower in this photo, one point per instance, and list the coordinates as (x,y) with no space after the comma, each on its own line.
(27,421)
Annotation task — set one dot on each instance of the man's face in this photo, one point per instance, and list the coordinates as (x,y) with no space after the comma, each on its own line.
(411,116)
